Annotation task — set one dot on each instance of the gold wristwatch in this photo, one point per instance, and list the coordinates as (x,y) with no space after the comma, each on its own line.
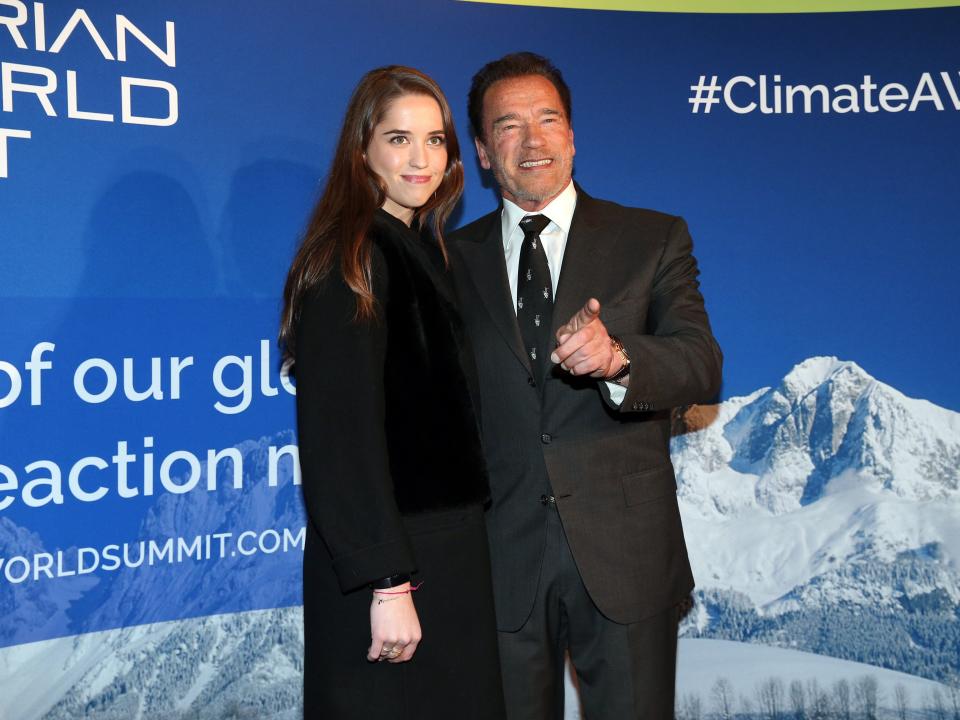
(622,352)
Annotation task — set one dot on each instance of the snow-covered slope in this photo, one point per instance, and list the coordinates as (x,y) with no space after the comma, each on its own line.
(829,491)
(248,665)
(241,665)
(700,663)
(792,444)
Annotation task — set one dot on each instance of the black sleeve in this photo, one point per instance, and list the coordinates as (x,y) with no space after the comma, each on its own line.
(343,447)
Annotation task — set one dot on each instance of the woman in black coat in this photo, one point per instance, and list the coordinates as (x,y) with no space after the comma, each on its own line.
(393,473)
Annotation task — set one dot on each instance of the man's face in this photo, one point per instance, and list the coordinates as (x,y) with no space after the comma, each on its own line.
(528,141)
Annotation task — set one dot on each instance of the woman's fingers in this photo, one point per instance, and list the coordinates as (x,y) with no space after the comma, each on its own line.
(392,651)
(408,650)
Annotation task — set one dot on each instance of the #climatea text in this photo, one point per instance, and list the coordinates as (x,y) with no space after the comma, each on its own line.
(743,95)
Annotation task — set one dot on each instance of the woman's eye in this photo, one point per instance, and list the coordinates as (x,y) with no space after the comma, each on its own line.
(437,140)
(398,140)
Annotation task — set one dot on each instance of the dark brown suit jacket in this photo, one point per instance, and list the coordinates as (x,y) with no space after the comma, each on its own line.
(608,466)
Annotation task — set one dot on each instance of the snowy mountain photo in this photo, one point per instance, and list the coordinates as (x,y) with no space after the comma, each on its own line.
(822,518)
(824,515)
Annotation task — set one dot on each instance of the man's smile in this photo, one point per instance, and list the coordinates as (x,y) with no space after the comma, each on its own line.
(536,163)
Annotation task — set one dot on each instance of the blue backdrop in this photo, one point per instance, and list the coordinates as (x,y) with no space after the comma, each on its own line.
(137,247)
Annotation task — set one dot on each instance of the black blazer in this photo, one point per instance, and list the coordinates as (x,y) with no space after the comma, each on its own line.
(387,426)
(608,467)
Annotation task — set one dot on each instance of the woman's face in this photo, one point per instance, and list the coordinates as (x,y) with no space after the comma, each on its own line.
(408,150)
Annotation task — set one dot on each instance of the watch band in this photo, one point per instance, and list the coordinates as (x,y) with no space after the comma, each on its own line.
(389,582)
(622,352)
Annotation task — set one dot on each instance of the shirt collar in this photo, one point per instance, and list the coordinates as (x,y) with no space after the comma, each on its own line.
(559,210)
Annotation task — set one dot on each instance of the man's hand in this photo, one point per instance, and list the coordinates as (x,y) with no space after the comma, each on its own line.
(584,346)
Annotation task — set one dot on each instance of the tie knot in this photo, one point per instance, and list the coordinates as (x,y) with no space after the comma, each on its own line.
(533,225)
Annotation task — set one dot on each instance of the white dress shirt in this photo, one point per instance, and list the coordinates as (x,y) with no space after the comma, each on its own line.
(554,241)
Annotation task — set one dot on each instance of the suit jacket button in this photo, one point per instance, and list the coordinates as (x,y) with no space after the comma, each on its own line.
(546,439)
(531,382)
(547,499)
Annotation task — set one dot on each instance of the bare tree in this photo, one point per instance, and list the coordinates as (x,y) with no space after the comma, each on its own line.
(865,697)
(690,707)
(841,699)
(746,707)
(798,704)
(936,708)
(954,690)
(236,710)
(770,698)
(903,701)
(722,696)
(818,702)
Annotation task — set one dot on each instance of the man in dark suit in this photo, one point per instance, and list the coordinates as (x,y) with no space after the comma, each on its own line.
(577,387)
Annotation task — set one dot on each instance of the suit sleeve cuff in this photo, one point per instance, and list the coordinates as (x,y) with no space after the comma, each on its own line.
(365,566)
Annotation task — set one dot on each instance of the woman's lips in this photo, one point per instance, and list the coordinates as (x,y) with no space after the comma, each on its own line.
(416,179)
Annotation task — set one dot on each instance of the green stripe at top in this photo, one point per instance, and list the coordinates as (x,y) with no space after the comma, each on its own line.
(730,6)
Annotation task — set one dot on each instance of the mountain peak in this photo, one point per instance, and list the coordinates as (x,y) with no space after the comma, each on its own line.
(815,371)
(829,426)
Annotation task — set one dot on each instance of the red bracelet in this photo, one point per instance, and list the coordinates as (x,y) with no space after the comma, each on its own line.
(400,592)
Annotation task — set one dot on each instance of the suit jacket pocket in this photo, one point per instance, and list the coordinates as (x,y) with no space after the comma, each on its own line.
(649,485)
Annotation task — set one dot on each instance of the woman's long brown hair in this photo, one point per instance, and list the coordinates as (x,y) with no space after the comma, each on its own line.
(341,219)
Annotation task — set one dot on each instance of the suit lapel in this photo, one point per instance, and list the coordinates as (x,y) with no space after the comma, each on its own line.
(584,259)
(488,272)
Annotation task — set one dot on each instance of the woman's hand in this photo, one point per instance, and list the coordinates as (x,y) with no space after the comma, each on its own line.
(394,625)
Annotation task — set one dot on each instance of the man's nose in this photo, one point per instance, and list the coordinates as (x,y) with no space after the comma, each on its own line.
(533,137)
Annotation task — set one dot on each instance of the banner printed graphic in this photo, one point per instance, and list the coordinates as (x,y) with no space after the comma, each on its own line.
(728,6)
(147,434)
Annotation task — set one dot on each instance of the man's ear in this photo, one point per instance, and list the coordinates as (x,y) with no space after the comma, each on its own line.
(482,154)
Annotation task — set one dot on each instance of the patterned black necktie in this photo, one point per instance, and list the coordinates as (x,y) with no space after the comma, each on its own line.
(534,294)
